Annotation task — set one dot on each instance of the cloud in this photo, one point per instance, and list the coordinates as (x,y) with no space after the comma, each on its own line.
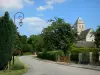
(44,7)
(35,25)
(29,1)
(40,15)
(13,4)
(49,4)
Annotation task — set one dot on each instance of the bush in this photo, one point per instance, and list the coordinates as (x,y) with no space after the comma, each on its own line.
(50,55)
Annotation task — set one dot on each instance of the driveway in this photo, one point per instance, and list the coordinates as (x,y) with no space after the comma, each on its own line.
(38,67)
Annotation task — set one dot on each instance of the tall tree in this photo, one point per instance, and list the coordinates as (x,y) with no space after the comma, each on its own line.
(59,35)
(7,39)
(97,37)
(97,43)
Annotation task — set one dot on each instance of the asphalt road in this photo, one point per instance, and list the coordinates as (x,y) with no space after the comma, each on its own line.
(38,67)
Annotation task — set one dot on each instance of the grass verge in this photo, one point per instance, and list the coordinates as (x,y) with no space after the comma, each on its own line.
(18,69)
(27,53)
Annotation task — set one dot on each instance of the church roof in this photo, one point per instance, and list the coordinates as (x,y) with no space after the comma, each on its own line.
(79,18)
(79,21)
(84,34)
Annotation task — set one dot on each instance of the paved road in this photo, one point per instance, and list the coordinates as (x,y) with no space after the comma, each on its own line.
(37,67)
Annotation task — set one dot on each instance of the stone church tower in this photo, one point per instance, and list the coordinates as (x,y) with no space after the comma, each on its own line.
(86,37)
(79,26)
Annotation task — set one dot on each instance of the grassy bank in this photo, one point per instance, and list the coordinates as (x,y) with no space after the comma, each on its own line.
(18,69)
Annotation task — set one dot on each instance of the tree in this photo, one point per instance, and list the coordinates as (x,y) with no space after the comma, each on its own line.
(18,45)
(37,42)
(97,43)
(59,35)
(23,39)
(97,37)
(7,39)
(22,45)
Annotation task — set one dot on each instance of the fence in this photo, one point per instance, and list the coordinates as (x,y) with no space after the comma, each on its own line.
(86,58)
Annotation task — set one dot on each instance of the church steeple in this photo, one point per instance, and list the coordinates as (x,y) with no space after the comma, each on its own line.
(79,25)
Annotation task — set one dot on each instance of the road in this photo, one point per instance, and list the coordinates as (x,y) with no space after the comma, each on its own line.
(38,67)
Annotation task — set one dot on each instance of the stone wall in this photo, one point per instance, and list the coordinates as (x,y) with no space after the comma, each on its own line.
(90,36)
(85,44)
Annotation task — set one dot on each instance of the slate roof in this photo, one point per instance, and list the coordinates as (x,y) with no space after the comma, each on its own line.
(84,34)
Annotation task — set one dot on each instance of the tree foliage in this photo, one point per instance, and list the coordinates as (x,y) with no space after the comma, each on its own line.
(7,39)
(97,43)
(22,45)
(23,39)
(97,37)
(37,42)
(59,36)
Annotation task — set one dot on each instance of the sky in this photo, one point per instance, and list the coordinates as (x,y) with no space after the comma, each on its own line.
(38,12)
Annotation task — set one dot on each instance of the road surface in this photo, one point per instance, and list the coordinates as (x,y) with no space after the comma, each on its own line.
(38,67)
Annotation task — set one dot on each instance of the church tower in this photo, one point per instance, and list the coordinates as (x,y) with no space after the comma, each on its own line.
(79,25)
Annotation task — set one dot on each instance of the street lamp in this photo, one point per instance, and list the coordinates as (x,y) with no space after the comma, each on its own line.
(20,17)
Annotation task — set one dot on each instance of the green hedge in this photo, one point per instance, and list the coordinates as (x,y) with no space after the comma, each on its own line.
(80,50)
(53,55)
(76,51)
(50,55)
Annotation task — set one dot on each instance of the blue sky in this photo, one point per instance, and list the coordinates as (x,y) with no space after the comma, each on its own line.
(37,12)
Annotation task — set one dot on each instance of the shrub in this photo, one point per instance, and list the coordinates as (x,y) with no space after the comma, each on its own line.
(50,55)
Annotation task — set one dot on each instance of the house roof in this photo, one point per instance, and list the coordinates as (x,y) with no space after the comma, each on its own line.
(84,34)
